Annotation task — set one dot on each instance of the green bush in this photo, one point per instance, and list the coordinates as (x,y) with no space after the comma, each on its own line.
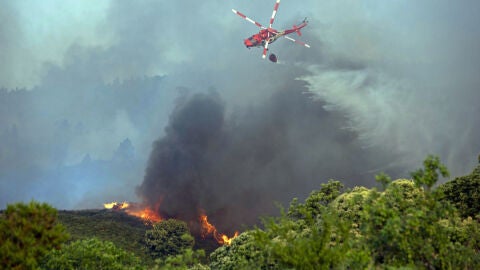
(310,236)
(407,226)
(320,243)
(242,253)
(27,233)
(169,237)
(316,203)
(125,231)
(464,193)
(91,254)
(189,259)
(428,175)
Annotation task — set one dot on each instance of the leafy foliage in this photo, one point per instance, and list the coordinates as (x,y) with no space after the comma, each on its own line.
(308,237)
(428,176)
(242,253)
(91,254)
(464,193)
(349,205)
(383,179)
(189,259)
(316,203)
(125,231)
(400,227)
(406,226)
(169,237)
(27,233)
(313,244)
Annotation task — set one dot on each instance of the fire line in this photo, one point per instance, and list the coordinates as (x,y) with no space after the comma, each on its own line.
(148,215)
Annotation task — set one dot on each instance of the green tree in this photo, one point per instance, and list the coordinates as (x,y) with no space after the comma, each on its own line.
(27,233)
(169,237)
(285,243)
(189,259)
(428,176)
(310,236)
(91,254)
(242,253)
(464,193)
(405,226)
(384,179)
(408,226)
(316,203)
(348,207)
(318,243)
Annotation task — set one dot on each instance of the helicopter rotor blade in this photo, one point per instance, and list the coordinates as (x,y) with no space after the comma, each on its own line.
(265,49)
(298,42)
(275,8)
(246,18)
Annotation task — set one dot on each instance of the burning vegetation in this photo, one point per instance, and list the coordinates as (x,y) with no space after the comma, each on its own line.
(149,215)
(134,209)
(209,229)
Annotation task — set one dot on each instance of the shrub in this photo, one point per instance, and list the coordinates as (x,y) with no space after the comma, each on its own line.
(27,233)
(464,193)
(91,254)
(169,237)
(189,259)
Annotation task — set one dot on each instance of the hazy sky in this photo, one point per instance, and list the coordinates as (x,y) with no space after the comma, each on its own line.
(79,78)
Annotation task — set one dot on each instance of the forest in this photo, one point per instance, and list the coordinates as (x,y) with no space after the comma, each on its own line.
(412,223)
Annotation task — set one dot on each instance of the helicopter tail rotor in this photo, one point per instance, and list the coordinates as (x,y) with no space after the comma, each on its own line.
(297,30)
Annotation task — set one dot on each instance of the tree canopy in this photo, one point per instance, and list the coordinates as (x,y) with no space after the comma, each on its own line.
(27,233)
(464,193)
(406,225)
(168,238)
(91,254)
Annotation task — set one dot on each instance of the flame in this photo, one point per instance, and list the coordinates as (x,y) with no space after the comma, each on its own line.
(209,229)
(226,240)
(145,213)
(109,205)
(149,215)
(116,205)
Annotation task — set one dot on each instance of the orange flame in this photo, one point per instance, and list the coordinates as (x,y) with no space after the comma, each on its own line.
(226,240)
(116,205)
(208,228)
(151,216)
(145,213)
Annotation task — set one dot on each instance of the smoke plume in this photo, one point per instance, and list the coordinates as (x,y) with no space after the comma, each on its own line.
(235,167)
(387,84)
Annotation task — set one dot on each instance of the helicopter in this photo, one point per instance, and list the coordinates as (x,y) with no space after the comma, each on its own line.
(269,35)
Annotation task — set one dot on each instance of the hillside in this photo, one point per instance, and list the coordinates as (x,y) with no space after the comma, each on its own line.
(405,223)
(125,231)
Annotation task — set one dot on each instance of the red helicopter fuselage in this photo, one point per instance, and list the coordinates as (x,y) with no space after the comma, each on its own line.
(270,35)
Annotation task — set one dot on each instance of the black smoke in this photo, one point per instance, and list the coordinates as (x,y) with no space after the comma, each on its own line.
(178,168)
(235,166)
(402,76)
